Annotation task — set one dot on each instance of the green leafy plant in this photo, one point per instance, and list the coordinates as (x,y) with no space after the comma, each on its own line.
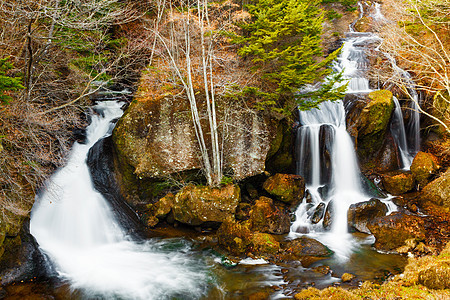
(8,83)
(283,40)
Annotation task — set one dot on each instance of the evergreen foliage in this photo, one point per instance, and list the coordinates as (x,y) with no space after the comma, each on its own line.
(283,39)
(7,83)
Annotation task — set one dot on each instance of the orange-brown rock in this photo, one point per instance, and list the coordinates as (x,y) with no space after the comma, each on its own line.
(286,187)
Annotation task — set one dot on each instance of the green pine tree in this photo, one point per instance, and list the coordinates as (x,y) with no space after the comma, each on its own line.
(7,83)
(284,40)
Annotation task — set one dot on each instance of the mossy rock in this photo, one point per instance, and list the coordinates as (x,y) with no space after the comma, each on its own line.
(195,205)
(156,211)
(438,191)
(393,230)
(398,182)
(280,157)
(423,167)
(305,249)
(264,243)
(286,187)
(364,24)
(234,237)
(373,122)
(269,218)
(359,214)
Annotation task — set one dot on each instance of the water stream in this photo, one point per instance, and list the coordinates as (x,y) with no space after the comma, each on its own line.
(76,228)
(326,155)
(78,231)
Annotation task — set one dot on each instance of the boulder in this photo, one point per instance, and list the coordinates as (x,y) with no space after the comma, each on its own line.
(423,167)
(234,237)
(328,217)
(438,191)
(398,182)
(393,230)
(318,213)
(195,205)
(347,277)
(269,218)
(372,123)
(305,249)
(156,136)
(264,243)
(286,187)
(159,210)
(360,214)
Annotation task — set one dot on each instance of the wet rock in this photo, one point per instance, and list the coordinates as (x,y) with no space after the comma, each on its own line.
(286,187)
(259,296)
(323,191)
(326,142)
(360,214)
(269,218)
(243,211)
(264,243)
(322,270)
(305,249)
(21,259)
(318,213)
(372,123)
(423,167)
(252,191)
(234,237)
(280,158)
(328,217)
(398,182)
(393,230)
(159,210)
(347,277)
(438,191)
(308,197)
(195,205)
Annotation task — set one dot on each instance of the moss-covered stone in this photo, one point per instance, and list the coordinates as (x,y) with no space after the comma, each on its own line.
(438,191)
(347,277)
(195,205)
(305,249)
(264,243)
(373,122)
(423,167)
(286,187)
(360,214)
(280,157)
(267,217)
(158,210)
(234,237)
(398,182)
(393,230)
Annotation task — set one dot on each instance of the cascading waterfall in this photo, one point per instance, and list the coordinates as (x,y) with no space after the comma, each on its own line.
(325,147)
(75,227)
(322,130)
(412,128)
(399,133)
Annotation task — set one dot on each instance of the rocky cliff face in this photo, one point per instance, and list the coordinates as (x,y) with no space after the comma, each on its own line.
(156,140)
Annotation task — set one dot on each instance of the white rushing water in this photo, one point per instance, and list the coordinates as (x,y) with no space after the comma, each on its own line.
(322,126)
(76,228)
(324,147)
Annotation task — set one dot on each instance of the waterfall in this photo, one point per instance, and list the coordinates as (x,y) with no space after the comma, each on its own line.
(75,227)
(324,129)
(398,132)
(326,155)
